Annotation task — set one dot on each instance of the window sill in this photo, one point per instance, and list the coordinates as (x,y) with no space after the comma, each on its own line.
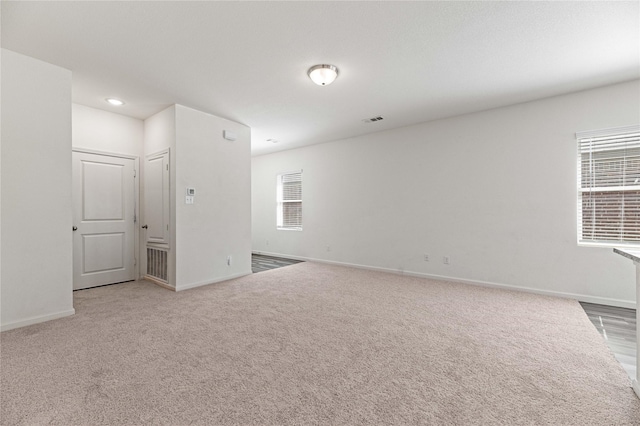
(619,244)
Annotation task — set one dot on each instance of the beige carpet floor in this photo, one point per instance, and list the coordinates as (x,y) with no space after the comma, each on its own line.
(314,344)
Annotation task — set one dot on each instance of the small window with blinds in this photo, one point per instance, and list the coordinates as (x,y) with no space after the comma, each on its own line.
(609,186)
(289,197)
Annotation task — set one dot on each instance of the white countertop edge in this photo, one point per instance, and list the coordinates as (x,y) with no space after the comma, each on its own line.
(633,254)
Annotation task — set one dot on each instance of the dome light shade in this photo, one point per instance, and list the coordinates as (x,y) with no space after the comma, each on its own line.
(323,75)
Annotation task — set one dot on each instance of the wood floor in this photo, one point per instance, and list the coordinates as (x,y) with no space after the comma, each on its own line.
(618,329)
(261,262)
(617,326)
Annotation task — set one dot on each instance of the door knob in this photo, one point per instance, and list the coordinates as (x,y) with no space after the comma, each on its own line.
(144,227)
(75,228)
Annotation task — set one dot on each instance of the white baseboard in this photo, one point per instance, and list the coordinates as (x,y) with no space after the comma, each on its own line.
(580,297)
(202,283)
(36,320)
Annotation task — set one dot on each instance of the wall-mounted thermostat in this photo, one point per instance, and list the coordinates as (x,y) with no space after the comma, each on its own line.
(191,191)
(230,136)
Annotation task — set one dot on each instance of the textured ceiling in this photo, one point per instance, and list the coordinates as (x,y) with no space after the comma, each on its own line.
(409,62)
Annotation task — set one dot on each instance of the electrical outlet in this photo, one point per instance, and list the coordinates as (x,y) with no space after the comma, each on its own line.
(426,257)
(328,248)
(229,260)
(446,260)
(267,242)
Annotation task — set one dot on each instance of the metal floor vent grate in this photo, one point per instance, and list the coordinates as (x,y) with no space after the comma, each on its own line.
(373,119)
(157,263)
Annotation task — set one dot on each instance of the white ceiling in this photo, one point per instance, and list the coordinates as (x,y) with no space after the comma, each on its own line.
(409,62)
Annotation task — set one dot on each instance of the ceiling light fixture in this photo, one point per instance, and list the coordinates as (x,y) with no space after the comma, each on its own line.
(114,101)
(323,74)
(272,140)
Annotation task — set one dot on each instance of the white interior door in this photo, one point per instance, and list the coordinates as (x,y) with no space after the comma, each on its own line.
(156,198)
(103,220)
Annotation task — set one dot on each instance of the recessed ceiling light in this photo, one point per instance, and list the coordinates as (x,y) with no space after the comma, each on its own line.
(272,140)
(323,74)
(114,101)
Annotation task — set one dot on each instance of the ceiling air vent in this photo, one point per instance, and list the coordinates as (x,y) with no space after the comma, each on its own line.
(373,119)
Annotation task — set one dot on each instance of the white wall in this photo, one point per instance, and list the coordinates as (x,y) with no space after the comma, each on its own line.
(218,224)
(36,241)
(104,131)
(160,131)
(494,190)
(0,166)
(159,135)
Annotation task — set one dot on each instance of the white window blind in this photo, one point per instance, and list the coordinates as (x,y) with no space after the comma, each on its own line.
(289,197)
(609,186)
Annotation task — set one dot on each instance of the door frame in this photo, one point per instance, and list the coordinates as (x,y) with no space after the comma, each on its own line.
(170,240)
(136,200)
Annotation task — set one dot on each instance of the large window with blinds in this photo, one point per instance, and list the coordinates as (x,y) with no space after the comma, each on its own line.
(609,186)
(289,198)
